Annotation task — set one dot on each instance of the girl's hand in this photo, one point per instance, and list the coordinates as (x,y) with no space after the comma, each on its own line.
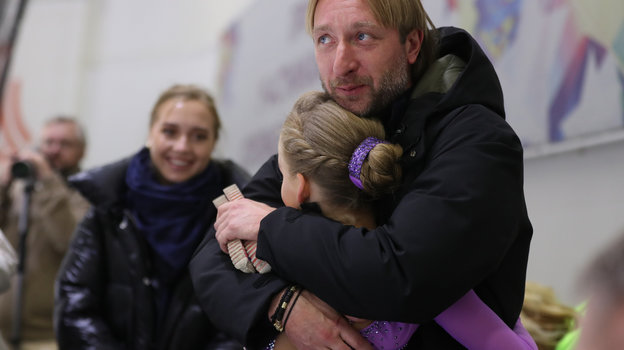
(358,323)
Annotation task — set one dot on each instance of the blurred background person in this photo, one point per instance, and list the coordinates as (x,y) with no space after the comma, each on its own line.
(53,213)
(602,325)
(124,283)
(8,264)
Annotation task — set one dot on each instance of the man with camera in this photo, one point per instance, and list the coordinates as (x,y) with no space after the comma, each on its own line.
(38,208)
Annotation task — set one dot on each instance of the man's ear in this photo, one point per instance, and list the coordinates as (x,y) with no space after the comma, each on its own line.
(303,188)
(413,42)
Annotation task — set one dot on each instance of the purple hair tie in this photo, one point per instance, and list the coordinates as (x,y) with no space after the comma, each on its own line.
(360,153)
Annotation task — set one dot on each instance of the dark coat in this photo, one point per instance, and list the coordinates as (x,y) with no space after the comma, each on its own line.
(458,222)
(104,291)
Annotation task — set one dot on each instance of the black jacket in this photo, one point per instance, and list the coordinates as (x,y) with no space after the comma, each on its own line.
(459,221)
(104,294)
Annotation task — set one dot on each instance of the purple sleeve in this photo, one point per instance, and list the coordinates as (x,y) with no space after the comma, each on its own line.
(389,335)
(476,326)
(469,321)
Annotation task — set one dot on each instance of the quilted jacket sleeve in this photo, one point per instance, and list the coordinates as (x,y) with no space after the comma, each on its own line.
(79,292)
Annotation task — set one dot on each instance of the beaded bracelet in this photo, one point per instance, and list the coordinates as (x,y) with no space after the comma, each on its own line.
(292,305)
(278,315)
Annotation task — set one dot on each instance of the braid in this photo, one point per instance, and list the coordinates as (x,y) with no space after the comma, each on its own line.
(318,139)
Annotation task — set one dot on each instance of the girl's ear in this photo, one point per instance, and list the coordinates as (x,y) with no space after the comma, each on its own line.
(303,188)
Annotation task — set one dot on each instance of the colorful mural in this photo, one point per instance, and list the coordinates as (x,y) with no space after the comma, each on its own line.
(560,62)
(267,61)
(14,133)
(586,42)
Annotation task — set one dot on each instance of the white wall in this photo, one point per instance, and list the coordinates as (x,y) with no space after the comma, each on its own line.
(576,204)
(106,61)
(138,49)
(47,60)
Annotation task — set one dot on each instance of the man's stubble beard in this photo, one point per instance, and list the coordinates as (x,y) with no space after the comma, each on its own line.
(394,82)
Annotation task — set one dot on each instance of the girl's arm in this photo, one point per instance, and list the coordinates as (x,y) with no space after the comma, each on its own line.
(469,321)
(472,323)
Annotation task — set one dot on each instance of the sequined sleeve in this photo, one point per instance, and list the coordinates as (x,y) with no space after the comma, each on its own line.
(389,335)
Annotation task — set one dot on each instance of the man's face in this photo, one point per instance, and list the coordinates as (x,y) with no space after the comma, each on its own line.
(61,146)
(363,65)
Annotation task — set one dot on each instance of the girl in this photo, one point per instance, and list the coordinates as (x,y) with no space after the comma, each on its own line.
(337,163)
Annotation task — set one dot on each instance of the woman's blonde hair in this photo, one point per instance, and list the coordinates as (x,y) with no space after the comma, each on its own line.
(318,139)
(403,15)
(188,93)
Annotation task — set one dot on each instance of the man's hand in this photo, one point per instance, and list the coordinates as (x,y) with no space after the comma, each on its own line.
(313,324)
(239,219)
(6,159)
(43,168)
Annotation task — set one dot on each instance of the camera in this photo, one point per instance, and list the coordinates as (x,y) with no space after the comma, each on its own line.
(23,170)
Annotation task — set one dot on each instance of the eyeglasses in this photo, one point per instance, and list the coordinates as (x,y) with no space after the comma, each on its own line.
(59,143)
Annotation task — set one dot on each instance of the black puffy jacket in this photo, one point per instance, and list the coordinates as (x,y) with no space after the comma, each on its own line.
(104,297)
(458,222)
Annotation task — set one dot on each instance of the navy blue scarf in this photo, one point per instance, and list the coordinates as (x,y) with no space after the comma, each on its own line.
(172,218)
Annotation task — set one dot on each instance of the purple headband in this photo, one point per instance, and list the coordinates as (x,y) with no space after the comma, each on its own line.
(360,153)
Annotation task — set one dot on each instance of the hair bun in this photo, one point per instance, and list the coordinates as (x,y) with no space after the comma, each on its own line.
(381,172)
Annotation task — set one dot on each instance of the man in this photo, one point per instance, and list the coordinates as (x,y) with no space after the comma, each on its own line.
(55,209)
(458,222)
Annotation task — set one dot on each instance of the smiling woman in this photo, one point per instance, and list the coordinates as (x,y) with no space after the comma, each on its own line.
(124,282)
(183,132)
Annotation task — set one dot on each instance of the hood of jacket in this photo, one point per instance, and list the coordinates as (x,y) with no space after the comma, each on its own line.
(103,186)
(461,75)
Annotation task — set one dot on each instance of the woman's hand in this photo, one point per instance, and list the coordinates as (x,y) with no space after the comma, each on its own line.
(239,219)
